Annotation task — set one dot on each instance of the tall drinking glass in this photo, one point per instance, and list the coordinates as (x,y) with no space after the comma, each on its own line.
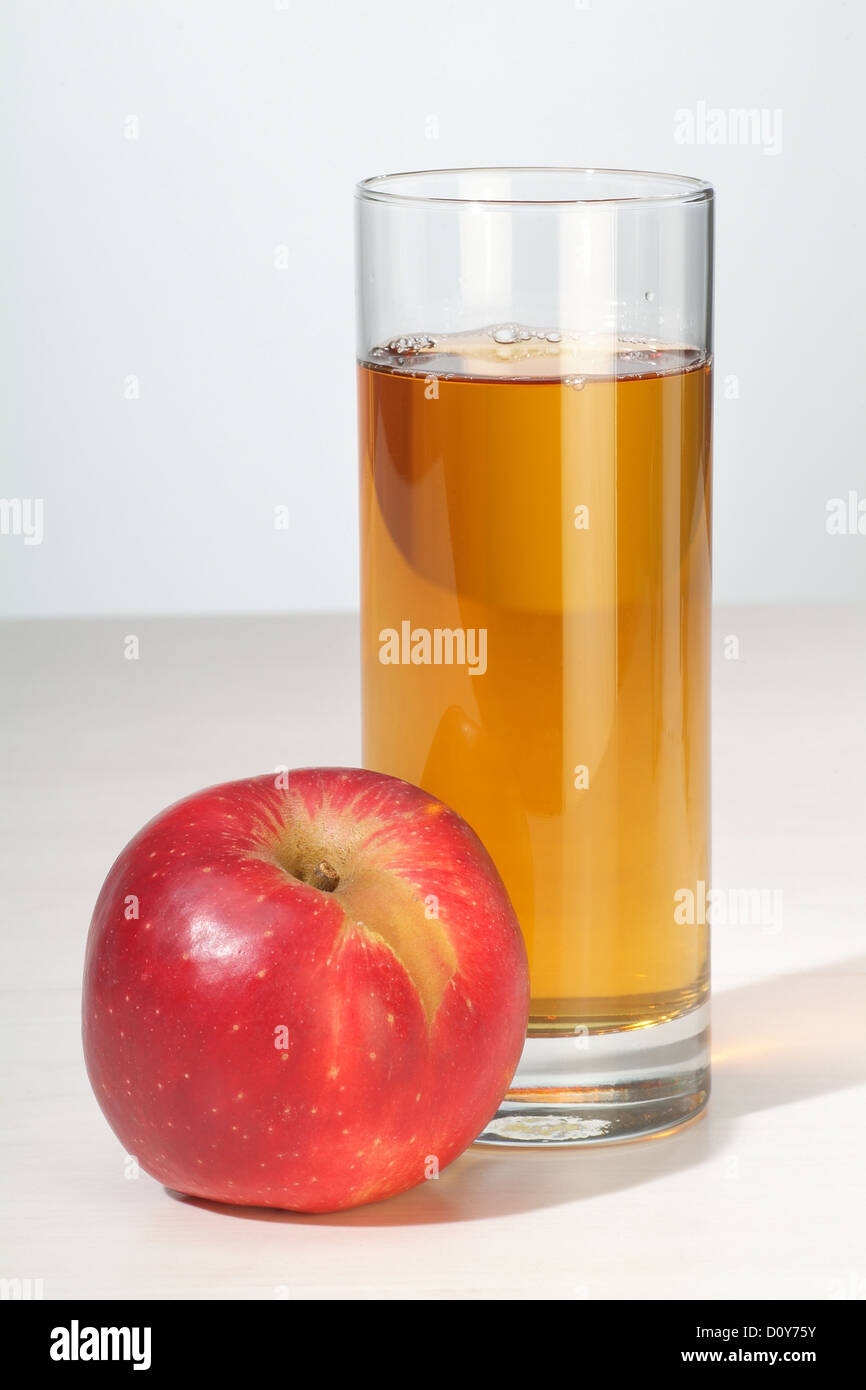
(534,391)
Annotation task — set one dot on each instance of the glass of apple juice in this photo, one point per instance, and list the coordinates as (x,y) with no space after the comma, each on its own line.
(534,385)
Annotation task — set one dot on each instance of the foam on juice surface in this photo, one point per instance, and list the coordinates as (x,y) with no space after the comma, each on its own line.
(512,351)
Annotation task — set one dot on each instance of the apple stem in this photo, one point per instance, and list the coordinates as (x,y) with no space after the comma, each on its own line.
(324,876)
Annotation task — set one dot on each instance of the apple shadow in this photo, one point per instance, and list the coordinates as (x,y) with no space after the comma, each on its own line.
(775,1042)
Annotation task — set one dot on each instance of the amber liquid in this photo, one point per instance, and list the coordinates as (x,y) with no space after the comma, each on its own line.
(554,493)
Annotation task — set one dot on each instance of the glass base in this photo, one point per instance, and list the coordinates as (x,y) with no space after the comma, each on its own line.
(607,1087)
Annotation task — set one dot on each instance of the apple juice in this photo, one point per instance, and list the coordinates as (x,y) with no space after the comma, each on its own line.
(535,562)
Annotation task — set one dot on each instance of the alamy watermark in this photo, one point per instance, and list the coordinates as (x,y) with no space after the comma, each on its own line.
(23,516)
(21,1290)
(77,1343)
(845,516)
(438,646)
(760,126)
(729,907)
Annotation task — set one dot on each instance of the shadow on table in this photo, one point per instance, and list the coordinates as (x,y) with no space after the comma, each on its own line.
(775,1042)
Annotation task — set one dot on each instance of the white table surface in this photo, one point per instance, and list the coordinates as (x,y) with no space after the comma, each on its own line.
(763,1197)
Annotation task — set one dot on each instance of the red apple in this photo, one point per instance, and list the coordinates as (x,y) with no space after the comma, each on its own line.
(307,996)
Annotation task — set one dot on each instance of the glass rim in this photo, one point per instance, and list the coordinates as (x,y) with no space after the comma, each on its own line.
(688,189)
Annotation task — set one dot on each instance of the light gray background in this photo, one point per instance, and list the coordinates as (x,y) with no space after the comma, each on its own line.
(157,257)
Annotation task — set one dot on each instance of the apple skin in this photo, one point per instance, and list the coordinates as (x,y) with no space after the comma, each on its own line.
(403,1028)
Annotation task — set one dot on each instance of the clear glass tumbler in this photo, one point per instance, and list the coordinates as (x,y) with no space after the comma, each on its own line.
(535,413)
